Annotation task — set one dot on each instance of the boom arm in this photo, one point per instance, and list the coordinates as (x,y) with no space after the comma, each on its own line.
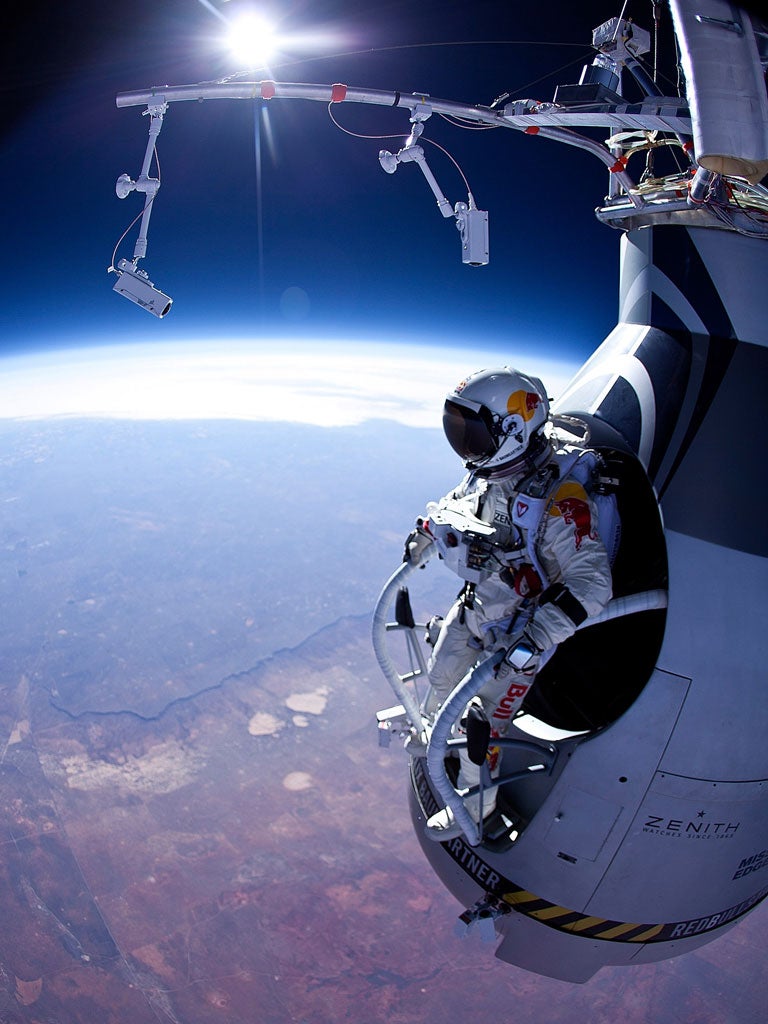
(731,124)
(662,113)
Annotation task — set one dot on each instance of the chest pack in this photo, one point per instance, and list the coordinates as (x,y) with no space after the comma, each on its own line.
(470,546)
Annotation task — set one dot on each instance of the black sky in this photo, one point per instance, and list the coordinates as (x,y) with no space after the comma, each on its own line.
(365,254)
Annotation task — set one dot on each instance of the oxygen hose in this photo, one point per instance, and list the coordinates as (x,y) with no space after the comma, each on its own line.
(476,679)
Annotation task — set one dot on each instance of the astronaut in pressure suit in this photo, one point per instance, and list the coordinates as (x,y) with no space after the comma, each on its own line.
(521,530)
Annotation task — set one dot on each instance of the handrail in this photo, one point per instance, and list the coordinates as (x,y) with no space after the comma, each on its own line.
(379,637)
(475,680)
(450,712)
(632,604)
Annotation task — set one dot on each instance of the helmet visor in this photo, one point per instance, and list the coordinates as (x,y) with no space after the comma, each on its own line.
(469,431)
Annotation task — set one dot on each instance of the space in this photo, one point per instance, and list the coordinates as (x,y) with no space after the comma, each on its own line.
(346,250)
(198,512)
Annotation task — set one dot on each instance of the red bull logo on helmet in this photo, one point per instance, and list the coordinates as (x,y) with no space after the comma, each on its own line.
(572,504)
(523,404)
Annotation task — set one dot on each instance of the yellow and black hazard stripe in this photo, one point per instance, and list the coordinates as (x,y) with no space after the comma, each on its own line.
(562,918)
(588,926)
(566,920)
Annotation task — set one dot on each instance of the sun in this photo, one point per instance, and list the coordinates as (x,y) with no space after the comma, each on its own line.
(252,40)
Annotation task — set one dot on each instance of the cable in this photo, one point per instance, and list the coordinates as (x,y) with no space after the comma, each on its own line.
(469,126)
(584,55)
(727,219)
(389,49)
(742,196)
(409,46)
(139,215)
(678,65)
(358,135)
(652,71)
(620,19)
(656,7)
(454,162)
(756,197)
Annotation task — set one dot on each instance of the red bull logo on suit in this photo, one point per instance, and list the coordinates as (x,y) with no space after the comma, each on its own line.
(572,504)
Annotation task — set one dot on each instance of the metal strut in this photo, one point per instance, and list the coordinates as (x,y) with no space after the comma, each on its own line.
(149,186)
(550,123)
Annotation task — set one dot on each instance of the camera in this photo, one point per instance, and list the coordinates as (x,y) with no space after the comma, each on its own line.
(473,228)
(135,285)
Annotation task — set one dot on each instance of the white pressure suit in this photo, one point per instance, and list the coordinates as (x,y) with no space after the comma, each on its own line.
(549,572)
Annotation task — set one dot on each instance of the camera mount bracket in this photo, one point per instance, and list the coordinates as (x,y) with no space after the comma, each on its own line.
(471,222)
(149,186)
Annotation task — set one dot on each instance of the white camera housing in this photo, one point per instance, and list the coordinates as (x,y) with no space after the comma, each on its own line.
(135,285)
(473,228)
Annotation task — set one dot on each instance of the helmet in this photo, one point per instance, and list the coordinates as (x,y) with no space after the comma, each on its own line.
(491,417)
